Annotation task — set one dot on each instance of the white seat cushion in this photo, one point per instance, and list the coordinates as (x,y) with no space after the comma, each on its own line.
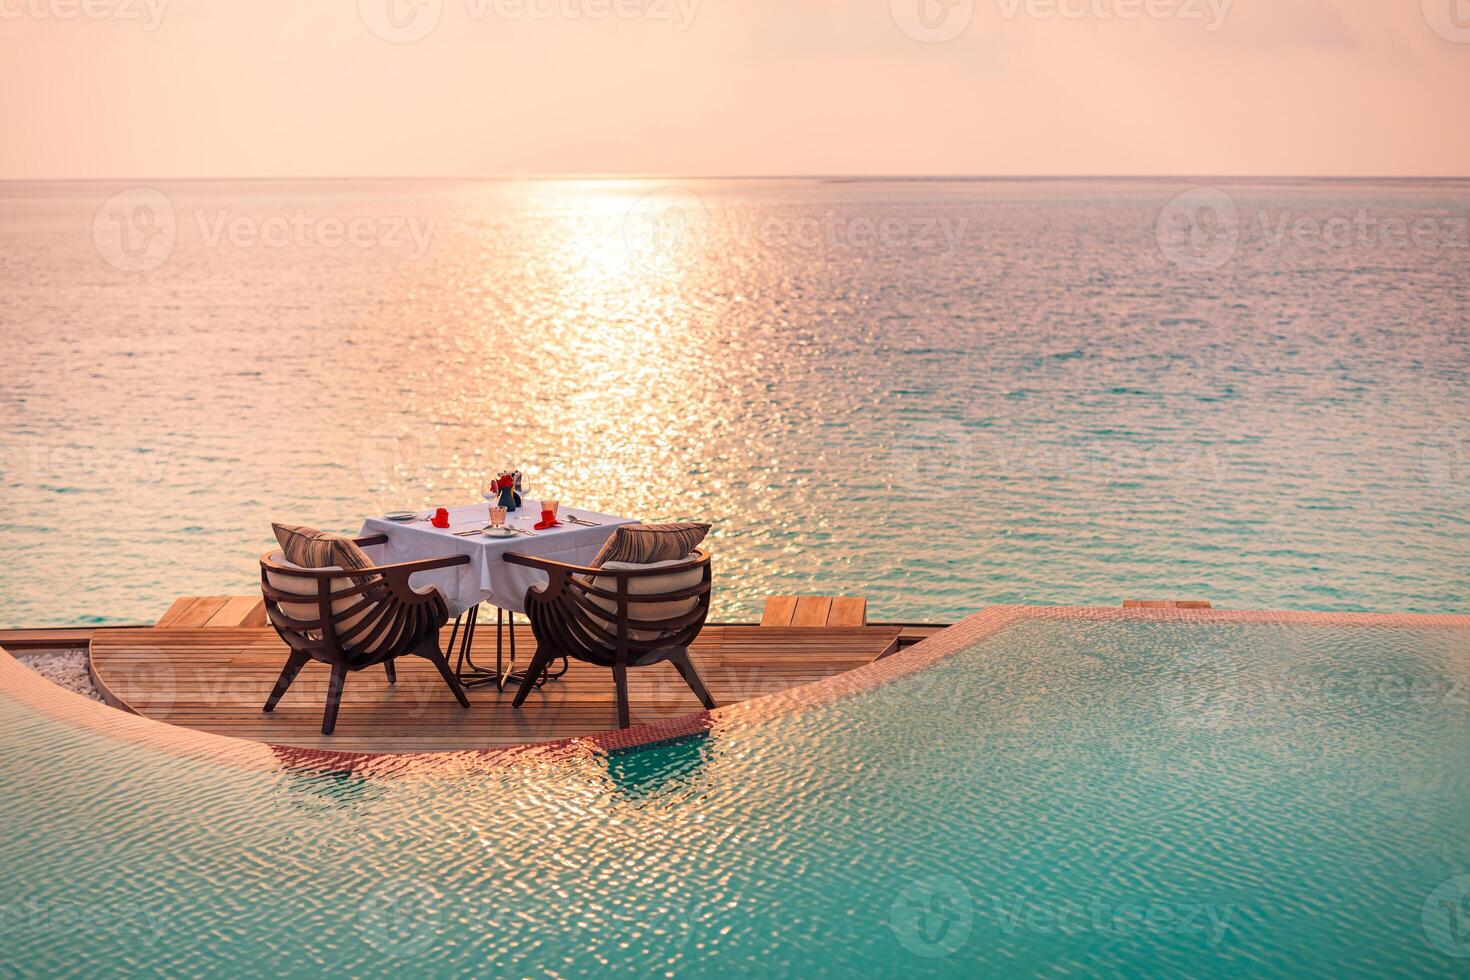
(308,611)
(648,585)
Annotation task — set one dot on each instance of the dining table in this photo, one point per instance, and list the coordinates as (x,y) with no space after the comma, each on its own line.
(488,578)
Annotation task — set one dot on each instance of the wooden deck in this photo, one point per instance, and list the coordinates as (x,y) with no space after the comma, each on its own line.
(214,612)
(196,673)
(815,610)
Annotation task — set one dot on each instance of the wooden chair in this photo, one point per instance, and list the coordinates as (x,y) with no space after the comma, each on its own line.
(618,616)
(352,620)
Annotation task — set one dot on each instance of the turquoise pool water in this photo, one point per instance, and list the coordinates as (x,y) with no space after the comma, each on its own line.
(1064,799)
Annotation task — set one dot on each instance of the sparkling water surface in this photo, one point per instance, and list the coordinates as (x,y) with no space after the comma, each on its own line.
(1065,799)
(937,394)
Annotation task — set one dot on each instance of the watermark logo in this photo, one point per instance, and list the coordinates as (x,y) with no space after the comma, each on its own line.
(401,21)
(935,456)
(932,21)
(1450,19)
(1199,230)
(667,228)
(401,919)
(136,231)
(1446,458)
(1446,917)
(399,454)
(1202,691)
(933,916)
(153,680)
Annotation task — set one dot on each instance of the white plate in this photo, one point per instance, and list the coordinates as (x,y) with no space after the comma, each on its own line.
(498,532)
(400,516)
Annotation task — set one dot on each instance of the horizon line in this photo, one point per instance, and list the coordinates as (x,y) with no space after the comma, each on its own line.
(850,178)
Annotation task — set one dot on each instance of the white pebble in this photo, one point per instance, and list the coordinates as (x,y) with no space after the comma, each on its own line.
(67,669)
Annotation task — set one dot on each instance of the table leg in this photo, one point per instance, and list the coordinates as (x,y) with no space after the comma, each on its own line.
(471,674)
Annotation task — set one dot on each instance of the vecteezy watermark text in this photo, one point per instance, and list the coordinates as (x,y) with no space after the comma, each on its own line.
(35,460)
(407,21)
(673,225)
(66,920)
(138,229)
(1211,12)
(679,13)
(1361,228)
(1208,922)
(1203,229)
(147,13)
(304,230)
(938,21)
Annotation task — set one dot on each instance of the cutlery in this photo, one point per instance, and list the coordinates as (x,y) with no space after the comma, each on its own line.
(475,530)
(581,521)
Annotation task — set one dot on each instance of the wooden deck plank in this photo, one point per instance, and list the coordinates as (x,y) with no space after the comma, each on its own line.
(848,610)
(779,610)
(812,610)
(199,612)
(216,679)
(176,609)
(256,616)
(234,611)
(47,639)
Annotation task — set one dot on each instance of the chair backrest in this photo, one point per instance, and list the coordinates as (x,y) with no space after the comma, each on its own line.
(337,616)
(625,609)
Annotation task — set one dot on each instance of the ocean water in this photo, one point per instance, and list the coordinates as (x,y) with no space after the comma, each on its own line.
(937,394)
(1066,799)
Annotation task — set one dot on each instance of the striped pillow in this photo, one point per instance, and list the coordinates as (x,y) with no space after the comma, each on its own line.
(644,544)
(310,548)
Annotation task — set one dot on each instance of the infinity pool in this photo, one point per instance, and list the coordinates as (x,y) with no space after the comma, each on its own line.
(1136,798)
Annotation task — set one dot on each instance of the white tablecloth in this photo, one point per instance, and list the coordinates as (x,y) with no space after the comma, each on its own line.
(488,577)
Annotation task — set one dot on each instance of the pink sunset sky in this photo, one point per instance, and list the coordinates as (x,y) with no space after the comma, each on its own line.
(280,88)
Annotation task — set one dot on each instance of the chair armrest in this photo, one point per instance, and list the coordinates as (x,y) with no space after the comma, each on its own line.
(559,573)
(696,557)
(548,566)
(397,576)
(422,565)
(370,540)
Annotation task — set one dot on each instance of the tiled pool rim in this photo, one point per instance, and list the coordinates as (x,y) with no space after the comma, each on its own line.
(21,683)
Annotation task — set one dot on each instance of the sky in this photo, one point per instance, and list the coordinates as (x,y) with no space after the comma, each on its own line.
(463,88)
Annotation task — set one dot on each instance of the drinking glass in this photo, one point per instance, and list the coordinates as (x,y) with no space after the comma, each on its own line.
(497,516)
(552,505)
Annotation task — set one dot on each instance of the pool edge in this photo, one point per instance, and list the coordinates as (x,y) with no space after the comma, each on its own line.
(23,684)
